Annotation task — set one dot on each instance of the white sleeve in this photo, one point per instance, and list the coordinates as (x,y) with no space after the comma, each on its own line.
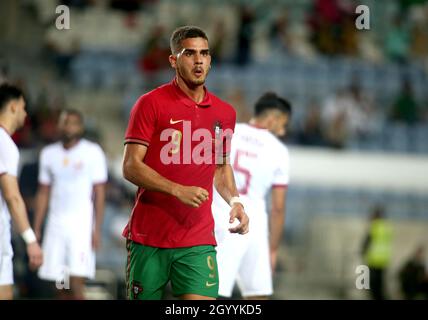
(99,166)
(3,169)
(282,171)
(9,160)
(44,172)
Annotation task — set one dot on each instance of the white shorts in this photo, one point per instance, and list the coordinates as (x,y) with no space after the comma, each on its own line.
(67,252)
(244,259)
(6,256)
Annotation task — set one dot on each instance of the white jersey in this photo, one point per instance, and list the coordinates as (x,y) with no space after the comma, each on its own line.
(72,173)
(259,161)
(9,159)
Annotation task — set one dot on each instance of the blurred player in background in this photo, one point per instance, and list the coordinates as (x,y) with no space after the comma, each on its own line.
(261,165)
(72,178)
(171,230)
(12,117)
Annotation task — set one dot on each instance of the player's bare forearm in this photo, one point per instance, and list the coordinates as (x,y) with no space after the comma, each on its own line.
(12,196)
(136,171)
(99,204)
(41,207)
(140,174)
(224,182)
(277,217)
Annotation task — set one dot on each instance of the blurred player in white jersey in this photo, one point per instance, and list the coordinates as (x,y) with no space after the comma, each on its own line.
(261,165)
(12,117)
(72,178)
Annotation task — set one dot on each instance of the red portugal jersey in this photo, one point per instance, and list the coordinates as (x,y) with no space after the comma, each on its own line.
(183,139)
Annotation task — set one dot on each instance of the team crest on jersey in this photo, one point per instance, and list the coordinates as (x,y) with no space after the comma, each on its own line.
(217,129)
(137,288)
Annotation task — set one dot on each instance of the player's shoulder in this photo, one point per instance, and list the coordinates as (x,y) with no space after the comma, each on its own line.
(280,145)
(274,142)
(255,131)
(156,94)
(52,148)
(221,104)
(6,140)
(90,145)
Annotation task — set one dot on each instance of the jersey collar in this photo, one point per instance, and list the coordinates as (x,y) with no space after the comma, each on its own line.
(185,99)
(254,125)
(5,130)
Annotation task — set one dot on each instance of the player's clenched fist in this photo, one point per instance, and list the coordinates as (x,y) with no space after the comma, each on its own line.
(192,196)
(238,212)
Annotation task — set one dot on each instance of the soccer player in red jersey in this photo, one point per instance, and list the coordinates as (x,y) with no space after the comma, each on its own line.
(176,145)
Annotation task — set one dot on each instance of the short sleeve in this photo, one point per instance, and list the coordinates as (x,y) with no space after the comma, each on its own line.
(99,168)
(282,172)
(44,172)
(9,158)
(142,121)
(3,169)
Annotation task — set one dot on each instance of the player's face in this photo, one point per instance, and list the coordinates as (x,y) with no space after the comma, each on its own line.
(279,125)
(70,127)
(193,62)
(21,113)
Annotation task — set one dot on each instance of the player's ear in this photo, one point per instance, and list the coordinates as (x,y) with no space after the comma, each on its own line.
(173,60)
(13,105)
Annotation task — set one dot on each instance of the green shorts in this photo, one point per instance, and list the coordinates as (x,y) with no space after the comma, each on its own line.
(191,270)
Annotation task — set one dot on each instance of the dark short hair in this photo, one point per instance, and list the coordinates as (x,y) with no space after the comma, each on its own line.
(9,92)
(183,33)
(74,112)
(271,101)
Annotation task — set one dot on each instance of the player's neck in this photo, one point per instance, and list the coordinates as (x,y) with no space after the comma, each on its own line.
(70,144)
(7,125)
(196,93)
(258,123)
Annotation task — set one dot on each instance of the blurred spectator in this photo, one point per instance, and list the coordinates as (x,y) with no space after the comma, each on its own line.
(413,276)
(363,121)
(311,133)
(405,5)
(377,251)
(245,33)
(419,39)
(126,5)
(279,32)
(397,41)
(336,133)
(348,32)
(217,42)
(405,108)
(79,4)
(4,71)
(62,46)
(349,115)
(155,53)
(335,117)
(325,21)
